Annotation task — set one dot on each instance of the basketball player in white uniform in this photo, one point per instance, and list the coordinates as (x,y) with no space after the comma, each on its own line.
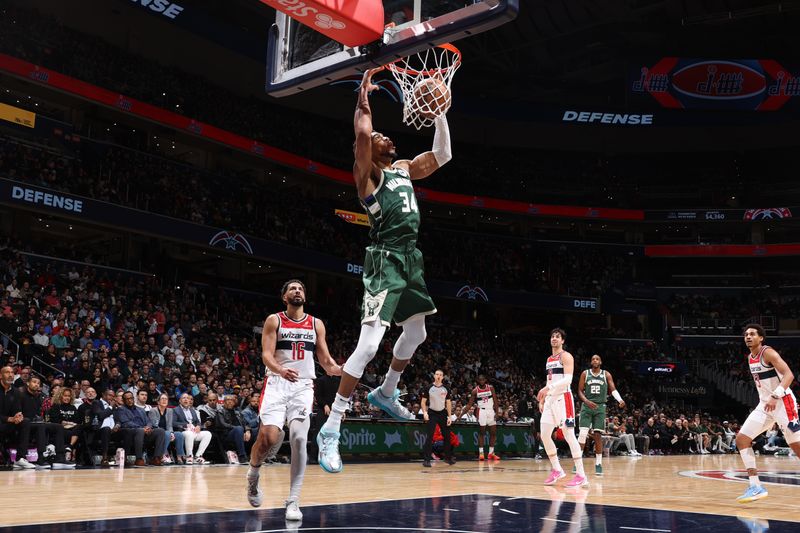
(486,398)
(776,404)
(289,341)
(558,410)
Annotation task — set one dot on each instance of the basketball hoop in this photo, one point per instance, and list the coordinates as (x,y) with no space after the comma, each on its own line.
(425,79)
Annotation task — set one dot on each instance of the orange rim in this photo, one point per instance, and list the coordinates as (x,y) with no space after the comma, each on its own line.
(393,66)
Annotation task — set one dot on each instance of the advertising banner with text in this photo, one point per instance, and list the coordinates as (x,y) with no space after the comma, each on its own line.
(409,438)
(96,212)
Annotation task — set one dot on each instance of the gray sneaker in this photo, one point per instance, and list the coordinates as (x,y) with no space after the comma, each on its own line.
(254,494)
(391,406)
(23,464)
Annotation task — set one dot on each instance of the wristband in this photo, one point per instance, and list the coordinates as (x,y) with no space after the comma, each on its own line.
(779,392)
(617,396)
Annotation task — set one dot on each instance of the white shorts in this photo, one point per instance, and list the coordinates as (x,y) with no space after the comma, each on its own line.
(486,417)
(283,401)
(760,421)
(559,411)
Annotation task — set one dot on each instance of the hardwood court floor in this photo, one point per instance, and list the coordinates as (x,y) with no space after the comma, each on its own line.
(649,483)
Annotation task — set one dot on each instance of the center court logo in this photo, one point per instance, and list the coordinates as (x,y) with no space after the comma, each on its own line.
(775,477)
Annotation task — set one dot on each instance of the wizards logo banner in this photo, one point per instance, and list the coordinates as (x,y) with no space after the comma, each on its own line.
(735,84)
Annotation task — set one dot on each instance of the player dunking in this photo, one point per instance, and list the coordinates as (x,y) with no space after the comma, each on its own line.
(394,288)
(558,410)
(593,389)
(289,341)
(776,404)
(487,401)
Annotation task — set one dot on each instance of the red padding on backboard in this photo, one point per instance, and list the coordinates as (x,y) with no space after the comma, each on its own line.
(351,22)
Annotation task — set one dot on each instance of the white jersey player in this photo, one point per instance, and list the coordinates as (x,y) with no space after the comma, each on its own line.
(289,341)
(485,397)
(777,404)
(558,410)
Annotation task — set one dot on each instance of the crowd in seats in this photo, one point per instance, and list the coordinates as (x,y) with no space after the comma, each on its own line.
(132,351)
(135,179)
(539,176)
(726,312)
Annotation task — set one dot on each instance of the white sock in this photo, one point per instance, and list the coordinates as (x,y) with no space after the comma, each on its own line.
(555,463)
(579,467)
(337,412)
(598,458)
(491,450)
(390,382)
(755,481)
(254,471)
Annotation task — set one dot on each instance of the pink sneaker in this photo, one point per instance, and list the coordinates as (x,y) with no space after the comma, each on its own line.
(554,476)
(578,481)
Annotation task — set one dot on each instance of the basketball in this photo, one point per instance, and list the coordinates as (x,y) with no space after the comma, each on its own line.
(432,97)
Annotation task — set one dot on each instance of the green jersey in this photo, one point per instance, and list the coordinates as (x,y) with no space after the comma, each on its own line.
(392,210)
(596,387)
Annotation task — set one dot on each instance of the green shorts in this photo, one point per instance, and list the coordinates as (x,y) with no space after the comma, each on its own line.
(394,288)
(593,418)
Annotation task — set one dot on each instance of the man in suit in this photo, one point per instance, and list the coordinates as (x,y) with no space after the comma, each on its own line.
(102,422)
(138,431)
(187,420)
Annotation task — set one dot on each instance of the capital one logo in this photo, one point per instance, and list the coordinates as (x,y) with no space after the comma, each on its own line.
(302,10)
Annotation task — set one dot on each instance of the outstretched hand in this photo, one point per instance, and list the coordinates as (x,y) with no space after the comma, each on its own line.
(366,81)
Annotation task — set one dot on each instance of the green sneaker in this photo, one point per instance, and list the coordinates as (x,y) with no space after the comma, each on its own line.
(598,470)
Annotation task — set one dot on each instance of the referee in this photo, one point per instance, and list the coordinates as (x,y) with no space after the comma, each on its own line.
(436,409)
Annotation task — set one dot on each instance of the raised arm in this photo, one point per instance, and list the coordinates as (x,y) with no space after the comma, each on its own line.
(427,163)
(269,335)
(323,355)
(362,123)
(613,390)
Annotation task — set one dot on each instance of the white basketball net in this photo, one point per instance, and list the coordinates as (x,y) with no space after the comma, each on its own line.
(423,78)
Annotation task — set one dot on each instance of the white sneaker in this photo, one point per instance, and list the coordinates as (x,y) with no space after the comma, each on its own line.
(23,464)
(254,494)
(293,511)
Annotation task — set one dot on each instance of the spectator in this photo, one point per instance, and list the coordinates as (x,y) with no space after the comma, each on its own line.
(102,423)
(231,428)
(65,413)
(138,432)
(187,421)
(30,404)
(162,416)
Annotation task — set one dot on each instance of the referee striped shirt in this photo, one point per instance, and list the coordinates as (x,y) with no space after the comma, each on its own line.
(436,396)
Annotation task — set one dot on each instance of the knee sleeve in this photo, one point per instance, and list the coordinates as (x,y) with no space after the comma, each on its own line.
(547,439)
(413,335)
(368,342)
(582,437)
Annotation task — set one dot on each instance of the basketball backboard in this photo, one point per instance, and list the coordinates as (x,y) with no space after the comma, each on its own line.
(299,58)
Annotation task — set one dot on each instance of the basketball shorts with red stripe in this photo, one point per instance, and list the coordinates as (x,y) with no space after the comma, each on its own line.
(283,401)
(559,410)
(785,414)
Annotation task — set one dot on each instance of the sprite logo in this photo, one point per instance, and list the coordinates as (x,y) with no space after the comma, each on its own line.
(363,437)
